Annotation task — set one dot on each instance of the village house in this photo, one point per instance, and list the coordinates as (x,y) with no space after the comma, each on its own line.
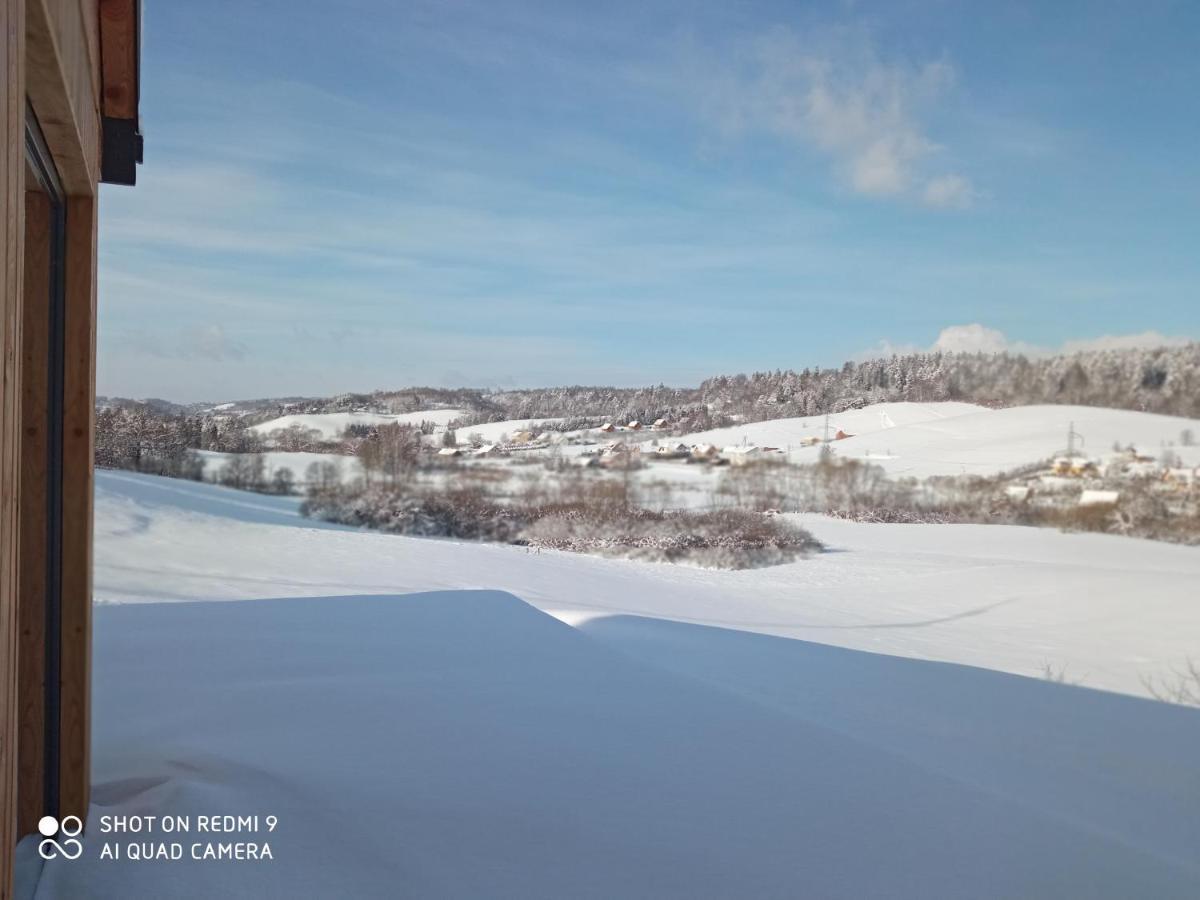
(608,427)
(1182,479)
(672,451)
(742,455)
(1074,466)
(635,425)
(1099,498)
(659,424)
(620,455)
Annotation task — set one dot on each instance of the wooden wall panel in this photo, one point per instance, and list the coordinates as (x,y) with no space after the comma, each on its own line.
(63,85)
(12,121)
(31,612)
(79,410)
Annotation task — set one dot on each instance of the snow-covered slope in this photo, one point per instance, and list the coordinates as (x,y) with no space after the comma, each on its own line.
(995,440)
(465,745)
(785,433)
(331,425)
(1111,610)
(493,431)
(925,439)
(680,741)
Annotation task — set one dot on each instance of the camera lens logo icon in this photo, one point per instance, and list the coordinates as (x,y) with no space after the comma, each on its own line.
(70,848)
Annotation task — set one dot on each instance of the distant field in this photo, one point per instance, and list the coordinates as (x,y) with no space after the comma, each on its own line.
(927,439)
(331,425)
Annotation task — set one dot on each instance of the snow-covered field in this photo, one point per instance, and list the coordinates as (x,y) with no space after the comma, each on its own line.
(1109,610)
(598,728)
(790,432)
(493,431)
(331,425)
(926,439)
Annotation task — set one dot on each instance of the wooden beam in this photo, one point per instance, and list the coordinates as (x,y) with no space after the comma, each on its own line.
(12,227)
(79,416)
(35,475)
(119,59)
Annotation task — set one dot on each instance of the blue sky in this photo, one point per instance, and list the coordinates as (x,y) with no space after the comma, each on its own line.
(496,193)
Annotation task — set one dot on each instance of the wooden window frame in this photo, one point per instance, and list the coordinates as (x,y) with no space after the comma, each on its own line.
(39,685)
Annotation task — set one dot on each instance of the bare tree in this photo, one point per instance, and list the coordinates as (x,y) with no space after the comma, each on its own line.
(243,471)
(390,452)
(283,481)
(296,438)
(1182,686)
(323,476)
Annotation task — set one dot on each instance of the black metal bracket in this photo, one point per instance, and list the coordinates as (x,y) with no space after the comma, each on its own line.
(121,151)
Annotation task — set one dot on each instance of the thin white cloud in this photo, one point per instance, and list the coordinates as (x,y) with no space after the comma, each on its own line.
(974,338)
(867,115)
(948,192)
(210,342)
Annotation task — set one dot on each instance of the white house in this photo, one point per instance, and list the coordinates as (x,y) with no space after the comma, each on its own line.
(742,454)
(1099,498)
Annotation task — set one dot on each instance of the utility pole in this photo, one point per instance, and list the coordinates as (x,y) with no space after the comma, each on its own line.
(1071,435)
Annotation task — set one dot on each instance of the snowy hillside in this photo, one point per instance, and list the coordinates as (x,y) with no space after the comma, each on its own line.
(925,439)
(670,744)
(786,433)
(493,431)
(331,425)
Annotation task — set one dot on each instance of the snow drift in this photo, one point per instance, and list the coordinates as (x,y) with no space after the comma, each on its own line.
(466,745)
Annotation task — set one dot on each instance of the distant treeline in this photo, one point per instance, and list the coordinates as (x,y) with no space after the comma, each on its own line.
(1164,380)
(154,436)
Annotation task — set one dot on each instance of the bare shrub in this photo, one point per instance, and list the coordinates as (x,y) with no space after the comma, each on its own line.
(1182,686)
(1058,675)
(466,513)
(587,516)
(726,539)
